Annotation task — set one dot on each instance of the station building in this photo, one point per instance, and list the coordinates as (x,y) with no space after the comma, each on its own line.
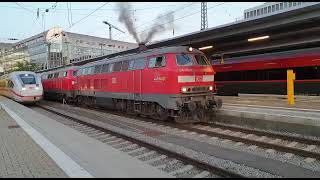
(271,8)
(56,47)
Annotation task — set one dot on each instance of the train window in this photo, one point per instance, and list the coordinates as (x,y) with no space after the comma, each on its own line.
(125,65)
(74,73)
(131,65)
(97,69)
(91,70)
(184,60)
(139,64)
(117,66)
(111,67)
(281,6)
(10,84)
(155,62)
(56,75)
(201,60)
(65,74)
(105,68)
(79,73)
(265,10)
(84,71)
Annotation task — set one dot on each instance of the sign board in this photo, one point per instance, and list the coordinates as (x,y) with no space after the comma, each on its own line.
(1,71)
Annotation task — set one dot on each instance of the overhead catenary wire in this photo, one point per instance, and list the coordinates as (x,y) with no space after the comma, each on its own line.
(88,15)
(24,8)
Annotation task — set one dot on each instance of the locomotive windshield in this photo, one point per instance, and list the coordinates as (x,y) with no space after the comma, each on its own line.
(27,78)
(201,60)
(187,60)
(184,60)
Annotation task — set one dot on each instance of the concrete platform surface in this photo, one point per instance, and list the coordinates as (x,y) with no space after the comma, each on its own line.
(301,102)
(20,156)
(269,112)
(80,156)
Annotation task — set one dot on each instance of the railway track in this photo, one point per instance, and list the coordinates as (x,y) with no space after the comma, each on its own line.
(148,152)
(290,145)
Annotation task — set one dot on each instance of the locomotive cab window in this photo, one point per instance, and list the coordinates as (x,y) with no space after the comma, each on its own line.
(56,75)
(65,74)
(156,62)
(184,60)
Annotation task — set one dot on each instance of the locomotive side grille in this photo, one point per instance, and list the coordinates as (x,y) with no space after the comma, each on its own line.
(197,89)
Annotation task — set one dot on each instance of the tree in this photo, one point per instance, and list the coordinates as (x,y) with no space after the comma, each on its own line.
(25,66)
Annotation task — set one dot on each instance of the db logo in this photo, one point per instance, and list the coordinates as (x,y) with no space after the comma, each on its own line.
(198,78)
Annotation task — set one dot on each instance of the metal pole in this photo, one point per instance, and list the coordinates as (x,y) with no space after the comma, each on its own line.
(48,58)
(110,32)
(290,86)
(204,16)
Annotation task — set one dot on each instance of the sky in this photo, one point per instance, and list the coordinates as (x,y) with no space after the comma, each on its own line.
(19,19)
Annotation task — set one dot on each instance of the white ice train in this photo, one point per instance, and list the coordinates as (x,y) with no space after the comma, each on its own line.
(21,86)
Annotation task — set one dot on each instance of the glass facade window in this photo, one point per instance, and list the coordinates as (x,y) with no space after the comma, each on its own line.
(281,6)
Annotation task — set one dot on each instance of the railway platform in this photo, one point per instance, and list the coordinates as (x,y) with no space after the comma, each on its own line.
(41,147)
(272,112)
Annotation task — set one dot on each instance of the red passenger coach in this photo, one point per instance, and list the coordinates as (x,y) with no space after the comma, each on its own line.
(60,83)
(166,82)
(267,73)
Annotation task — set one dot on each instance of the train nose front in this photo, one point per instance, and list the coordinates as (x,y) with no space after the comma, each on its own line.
(32,92)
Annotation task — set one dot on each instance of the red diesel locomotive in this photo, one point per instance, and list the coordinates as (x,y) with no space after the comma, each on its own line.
(59,84)
(175,82)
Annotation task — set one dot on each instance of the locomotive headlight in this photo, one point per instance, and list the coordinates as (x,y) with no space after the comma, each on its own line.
(211,88)
(190,49)
(23,89)
(184,89)
(37,88)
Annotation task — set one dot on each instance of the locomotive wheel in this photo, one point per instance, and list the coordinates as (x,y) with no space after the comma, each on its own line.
(163,114)
(198,115)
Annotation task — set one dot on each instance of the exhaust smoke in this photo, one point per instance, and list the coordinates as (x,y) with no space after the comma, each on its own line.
(162,23)
(125,17)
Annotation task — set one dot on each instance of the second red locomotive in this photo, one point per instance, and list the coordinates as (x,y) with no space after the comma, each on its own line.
(175,82)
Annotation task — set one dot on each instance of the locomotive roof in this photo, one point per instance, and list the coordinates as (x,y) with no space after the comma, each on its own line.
(57,70)
(148,52)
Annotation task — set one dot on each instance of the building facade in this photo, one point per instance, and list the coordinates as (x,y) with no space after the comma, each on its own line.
(271,8)
(56,47)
